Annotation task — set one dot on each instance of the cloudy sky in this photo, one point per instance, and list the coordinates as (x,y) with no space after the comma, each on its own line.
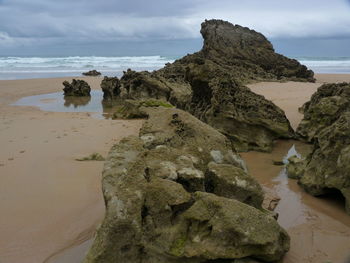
(167,27)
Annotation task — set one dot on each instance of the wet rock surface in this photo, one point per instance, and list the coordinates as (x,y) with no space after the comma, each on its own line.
(93,73)
(79,88)
(326,123)
(180,193)
(210,85)
(110,87)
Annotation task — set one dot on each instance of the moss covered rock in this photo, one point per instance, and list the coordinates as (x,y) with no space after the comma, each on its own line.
(210,85)
(157,205)
(326,123)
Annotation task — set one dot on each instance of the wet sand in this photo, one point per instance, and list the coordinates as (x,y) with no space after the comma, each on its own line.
(51,204)
(48,200)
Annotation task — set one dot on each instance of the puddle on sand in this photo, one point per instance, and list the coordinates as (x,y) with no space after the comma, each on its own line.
(319,228)
(57,102)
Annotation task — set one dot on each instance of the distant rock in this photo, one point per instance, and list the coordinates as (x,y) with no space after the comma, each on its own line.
(110,87)
(180,193)
(76,88)
(93,73)
(326,124)
(210,85)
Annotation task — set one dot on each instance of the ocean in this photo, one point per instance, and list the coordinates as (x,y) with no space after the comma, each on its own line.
(48,67)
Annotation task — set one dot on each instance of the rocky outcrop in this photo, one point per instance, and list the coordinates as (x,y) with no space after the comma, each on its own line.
(179,193)
(110,87)
(93,73)
(76,88)
(326,123)
(210,85)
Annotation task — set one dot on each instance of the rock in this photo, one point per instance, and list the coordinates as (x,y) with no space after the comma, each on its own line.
(325,107)
(157,209)
(295,167)
(110,87)
(326,123)
(92,73)
(233,182)
(210,85)
(76,88)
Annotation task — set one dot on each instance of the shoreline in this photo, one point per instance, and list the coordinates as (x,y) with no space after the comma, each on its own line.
(67,204)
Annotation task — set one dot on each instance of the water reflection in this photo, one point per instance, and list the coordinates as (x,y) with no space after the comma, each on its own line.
(76,101)
(57,102)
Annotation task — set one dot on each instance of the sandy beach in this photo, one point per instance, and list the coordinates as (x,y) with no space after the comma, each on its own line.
(50,202)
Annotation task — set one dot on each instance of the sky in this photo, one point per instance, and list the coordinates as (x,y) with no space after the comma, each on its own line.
(167,27)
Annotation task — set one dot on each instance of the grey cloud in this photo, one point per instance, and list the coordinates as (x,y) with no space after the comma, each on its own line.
(42,22)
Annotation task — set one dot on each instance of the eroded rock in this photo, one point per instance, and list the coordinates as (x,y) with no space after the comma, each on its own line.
(77,88)
(210,85)
(326,123)
(157,207)
(110,87)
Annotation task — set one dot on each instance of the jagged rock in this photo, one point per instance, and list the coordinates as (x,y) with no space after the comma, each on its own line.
(76,88)
(210,85)
(93,72)
(157,209)
(295,167)
(327,124)
(325,106)
(110,87)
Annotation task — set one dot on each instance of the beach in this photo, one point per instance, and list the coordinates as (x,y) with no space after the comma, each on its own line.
(50,202)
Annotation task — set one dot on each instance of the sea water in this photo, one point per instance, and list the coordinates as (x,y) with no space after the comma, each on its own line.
(48,67)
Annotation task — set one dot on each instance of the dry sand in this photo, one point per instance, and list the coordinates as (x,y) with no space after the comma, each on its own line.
(49,201)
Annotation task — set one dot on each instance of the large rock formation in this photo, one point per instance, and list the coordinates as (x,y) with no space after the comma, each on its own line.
(179,193)
(326,123)
(209,85)
(76,88)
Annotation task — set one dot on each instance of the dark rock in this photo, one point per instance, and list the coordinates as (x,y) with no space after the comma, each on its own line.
(76,88)
(110,87)
(210,85)
(326,123)
(157,209)
(92,73)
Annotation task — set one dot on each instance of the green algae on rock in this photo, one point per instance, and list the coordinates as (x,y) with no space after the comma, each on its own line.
(158,208)
(210,85)
(326,123)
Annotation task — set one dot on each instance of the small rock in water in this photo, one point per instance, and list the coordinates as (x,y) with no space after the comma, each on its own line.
(76,88)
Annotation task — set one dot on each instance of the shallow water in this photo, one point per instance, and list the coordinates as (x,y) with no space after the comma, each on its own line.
(57,102)
(319,227)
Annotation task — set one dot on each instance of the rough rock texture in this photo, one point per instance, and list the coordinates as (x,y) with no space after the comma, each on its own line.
(295,167)
(110,87)
(76,88)
(210,85)
(170,198)
(326,123)
(93,72)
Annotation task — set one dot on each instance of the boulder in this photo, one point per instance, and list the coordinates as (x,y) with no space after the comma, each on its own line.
(295,167)
(79,88)
(93,73)
(326,123)
(210,85)
(110,87)
(158,208)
